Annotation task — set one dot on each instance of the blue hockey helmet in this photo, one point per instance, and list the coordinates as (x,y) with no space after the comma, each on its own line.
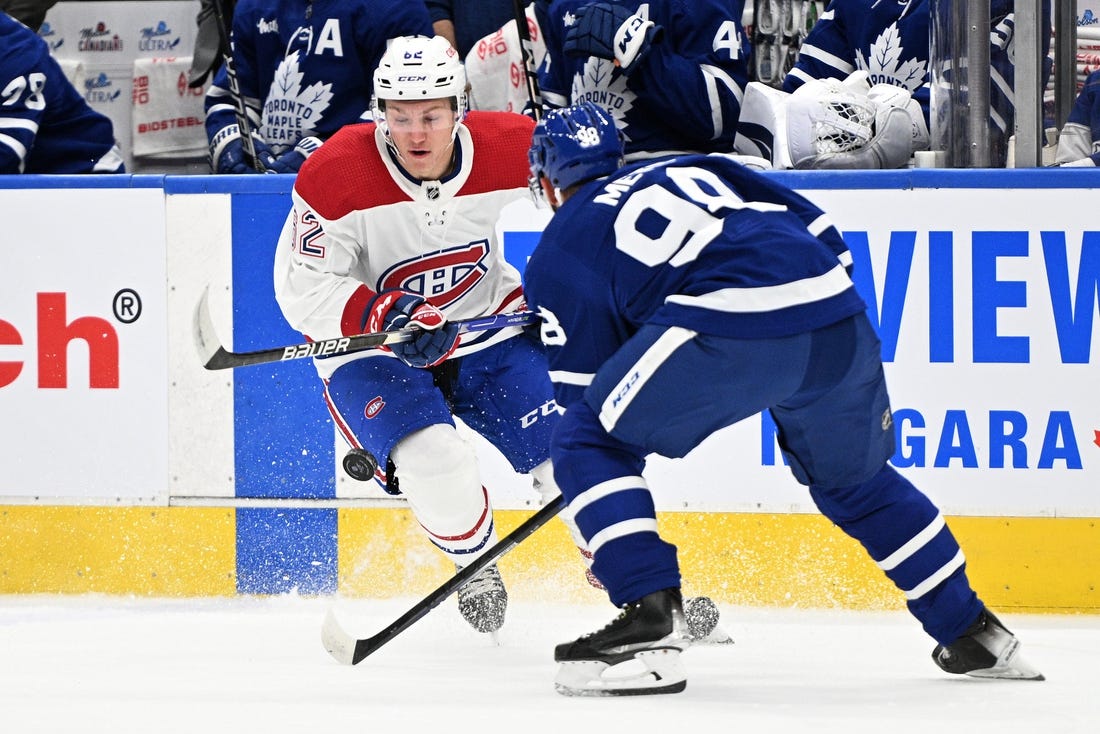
(575,144)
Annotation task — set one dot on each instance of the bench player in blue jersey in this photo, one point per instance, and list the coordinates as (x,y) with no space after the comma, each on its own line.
(46,126)
(304,70)
(862,60)
(673,72)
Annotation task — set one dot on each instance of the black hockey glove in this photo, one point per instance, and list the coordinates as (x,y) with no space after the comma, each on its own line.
(227,152)
(290,160)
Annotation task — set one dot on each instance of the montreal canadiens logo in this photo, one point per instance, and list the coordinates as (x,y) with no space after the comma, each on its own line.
(374,407)
(444,277)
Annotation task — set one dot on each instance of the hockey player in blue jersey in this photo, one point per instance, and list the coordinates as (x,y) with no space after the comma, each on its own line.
(45,125)
(304,70)
(890,41)
(671,71)
(680,296)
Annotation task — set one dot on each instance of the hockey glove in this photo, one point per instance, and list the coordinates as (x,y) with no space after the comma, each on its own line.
(890,147)
(612,32)
(888,96)
(397,309)
(835,124)
(227,152)
(289,161)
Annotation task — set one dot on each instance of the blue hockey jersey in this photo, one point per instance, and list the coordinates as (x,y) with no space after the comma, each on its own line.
(696,241)
(890,40)
(305,67)
(45,125)
(686,94)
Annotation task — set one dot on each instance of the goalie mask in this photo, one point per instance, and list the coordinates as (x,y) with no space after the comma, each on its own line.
(418,68)
(573,145)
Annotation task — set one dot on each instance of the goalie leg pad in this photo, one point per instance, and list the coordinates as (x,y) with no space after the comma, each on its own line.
(648,672)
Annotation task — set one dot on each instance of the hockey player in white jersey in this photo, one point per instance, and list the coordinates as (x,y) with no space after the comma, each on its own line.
(695,277)
(46,126)
(392,225)
(304,71)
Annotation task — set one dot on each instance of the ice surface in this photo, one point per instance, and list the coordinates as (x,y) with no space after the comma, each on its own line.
(206,666)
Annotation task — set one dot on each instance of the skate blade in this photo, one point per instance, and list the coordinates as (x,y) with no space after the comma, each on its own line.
(1007,674)
(1009,666)
(662,672)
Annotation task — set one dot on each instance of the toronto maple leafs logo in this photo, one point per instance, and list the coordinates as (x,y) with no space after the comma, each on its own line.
(601,83)
(884,63)
(292,112)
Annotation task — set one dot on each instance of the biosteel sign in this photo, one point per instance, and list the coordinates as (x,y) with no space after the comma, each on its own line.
(83,355)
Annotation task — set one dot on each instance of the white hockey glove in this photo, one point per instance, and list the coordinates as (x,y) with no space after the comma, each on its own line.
(836,125)
(891,95)
(1075,146)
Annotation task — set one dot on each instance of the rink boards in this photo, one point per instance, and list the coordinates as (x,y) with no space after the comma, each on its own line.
(130,469)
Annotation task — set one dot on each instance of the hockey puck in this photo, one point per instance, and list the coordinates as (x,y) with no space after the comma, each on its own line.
(702,616)
(360,465)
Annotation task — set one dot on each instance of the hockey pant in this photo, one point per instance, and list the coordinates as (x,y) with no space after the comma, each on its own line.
(405,417)
(827,395)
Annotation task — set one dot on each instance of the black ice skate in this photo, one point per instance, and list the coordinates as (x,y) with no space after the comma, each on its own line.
(986,650)
(483,600)
(649,634)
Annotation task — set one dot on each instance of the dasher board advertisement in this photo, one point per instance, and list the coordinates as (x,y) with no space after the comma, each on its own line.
(83,357)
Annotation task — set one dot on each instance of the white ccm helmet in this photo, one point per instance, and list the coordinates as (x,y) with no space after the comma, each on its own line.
(415,68)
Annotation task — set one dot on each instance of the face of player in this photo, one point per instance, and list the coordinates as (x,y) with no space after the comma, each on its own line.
(422,132)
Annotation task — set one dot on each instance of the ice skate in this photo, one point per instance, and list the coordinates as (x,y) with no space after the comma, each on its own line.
(700,612)
(638,653)
(483,600)
(986,650)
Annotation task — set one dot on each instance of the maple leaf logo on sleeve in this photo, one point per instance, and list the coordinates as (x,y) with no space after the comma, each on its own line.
(886,62)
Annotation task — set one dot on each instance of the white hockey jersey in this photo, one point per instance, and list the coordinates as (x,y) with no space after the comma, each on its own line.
(360,224)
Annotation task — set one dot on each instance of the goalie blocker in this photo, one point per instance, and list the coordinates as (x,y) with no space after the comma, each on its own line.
(832,124)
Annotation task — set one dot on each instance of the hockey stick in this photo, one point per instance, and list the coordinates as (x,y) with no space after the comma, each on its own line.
(534,94)
(214,356)
(351,651)
(239,110)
